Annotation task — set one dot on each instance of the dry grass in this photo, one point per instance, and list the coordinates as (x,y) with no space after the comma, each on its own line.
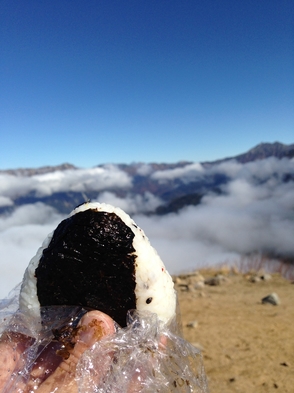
(259,263)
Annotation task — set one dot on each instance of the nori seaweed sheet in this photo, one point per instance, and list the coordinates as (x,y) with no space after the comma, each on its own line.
(90,263)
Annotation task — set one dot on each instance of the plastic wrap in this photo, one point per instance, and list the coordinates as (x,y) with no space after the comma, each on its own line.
(32,340)
(146,356)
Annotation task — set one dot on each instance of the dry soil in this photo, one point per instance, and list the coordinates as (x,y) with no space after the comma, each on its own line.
(247,346)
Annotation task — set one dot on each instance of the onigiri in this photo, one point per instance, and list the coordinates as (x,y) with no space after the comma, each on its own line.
(98,258)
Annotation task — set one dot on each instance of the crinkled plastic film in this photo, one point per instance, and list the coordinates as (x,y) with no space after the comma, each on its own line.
(35,338)
(146,356)
(8,307)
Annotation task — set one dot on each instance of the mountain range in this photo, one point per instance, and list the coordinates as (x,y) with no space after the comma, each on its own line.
(176,185)
(195,214)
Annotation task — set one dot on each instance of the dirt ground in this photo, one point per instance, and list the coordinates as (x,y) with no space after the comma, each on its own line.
(247,346)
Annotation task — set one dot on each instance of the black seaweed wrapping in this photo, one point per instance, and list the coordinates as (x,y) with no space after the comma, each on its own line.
(90,263)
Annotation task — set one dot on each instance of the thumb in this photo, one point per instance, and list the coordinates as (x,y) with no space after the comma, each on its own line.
(92,328)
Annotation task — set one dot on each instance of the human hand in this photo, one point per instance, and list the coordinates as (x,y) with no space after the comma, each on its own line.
(50,373)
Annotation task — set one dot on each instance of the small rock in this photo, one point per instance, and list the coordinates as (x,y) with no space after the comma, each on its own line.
(213,281)
(266,277)
(192,324)
(179,281)
(285,364)
(183,288)
(254,279)
(199,285)
(223,278)
(273,298)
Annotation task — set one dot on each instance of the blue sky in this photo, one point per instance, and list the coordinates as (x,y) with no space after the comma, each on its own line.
(159,80)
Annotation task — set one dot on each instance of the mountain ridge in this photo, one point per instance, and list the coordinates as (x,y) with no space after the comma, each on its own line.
(166,182)
(258,152)
(262,151)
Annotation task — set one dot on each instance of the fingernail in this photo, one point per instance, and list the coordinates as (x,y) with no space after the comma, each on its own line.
(90,331)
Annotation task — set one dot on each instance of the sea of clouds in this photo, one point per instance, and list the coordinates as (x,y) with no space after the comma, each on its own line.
(254,213)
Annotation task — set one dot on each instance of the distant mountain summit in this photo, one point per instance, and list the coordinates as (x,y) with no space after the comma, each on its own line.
(262,151)
(265,150)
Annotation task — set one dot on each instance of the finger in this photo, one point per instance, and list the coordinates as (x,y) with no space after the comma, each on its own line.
(12,346)
(8,361)
(45,365)
(93,327)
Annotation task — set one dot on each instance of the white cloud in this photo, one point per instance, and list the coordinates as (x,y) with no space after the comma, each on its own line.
(257,171)
(21,234)
(175,239)
(254,214)
(82,180)
(186,173)
(229,168)
(78,180)
(31,214)
(144,170)
(5,201)
(13,186)
(264,169)
(132,204)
